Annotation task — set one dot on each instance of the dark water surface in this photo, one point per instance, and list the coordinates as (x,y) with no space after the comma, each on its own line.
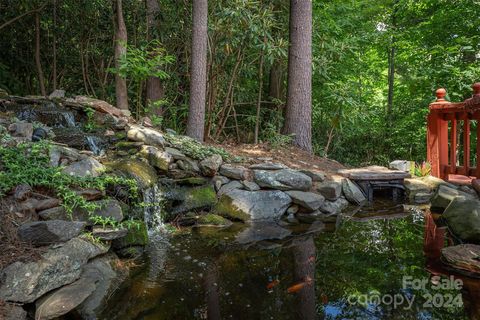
(353,269)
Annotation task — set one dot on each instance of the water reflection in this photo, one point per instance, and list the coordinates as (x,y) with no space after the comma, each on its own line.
(209,275)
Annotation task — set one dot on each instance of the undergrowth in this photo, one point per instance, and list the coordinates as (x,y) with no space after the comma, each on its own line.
(28,163)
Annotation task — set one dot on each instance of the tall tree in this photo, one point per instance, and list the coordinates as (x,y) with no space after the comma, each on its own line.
(38,63)
(155,89)
(391,63)
(198,70)
(298,116)
(121,91)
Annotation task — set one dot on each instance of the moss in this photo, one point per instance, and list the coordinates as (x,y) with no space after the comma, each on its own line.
(136,236)
(213,220)
(227,209)
(195,149)
(142,172)
(202,196)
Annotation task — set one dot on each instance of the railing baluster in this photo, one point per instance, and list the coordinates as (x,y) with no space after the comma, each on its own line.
(466,145)
(453,146)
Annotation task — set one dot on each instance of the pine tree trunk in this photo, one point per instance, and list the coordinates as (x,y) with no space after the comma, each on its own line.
(38,63)
(121,91)
(155,89)
(298,116)
(198,70)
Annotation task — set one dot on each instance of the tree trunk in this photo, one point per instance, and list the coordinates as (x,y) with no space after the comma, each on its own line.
(54,32)
(198,80)
(391,66)
(41,79)
(260,91)
(155,89)
(298,116)
(121,92)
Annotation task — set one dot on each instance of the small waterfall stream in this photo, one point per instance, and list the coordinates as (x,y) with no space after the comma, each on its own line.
(95,145)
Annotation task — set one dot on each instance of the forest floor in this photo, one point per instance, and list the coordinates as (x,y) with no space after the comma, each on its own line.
(289,155)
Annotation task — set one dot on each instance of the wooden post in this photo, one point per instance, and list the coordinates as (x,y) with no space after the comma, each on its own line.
(466,145)
(453,146)
(437,138)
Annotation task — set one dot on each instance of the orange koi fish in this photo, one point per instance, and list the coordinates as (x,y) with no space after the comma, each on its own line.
(273,284)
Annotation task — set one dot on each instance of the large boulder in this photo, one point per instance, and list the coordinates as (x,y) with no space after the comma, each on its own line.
(285,179)
(444,196)
(184,199)
(210,165)
(146,135)
(401,165)
(234,172)
(252,205)
(41,233)
(230,186)
(268,166)
(141,171)
(331,190)
(107,273)
(352,192)
(26,282)
(63,300)
(308,200)
(108,208)
(316,175)
(156,157)
(463,258)
(463,218)
(85,168)
(334,207)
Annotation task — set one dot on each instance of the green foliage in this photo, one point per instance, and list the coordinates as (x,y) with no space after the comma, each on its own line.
(90,124)
(195,149)
(28,163)
(422,170)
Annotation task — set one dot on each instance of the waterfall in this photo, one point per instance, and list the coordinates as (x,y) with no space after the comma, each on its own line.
(69,119)
(152,197)
(94,144)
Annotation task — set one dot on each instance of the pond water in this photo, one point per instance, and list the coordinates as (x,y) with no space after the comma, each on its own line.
(368,265)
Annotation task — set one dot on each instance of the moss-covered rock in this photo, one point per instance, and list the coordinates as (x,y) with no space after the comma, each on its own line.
(142,172)
(192,181)
(156,157)
(137,236)
(213,220)
(184,199)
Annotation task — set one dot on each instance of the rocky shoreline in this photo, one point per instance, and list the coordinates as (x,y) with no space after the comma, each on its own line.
(180,181)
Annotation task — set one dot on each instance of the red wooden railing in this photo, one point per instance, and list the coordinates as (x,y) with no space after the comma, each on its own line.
(449,137)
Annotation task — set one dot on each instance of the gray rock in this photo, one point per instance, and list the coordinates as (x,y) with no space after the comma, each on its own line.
(60,153)
(233,172)
(334,207)
(292,209)
(252,205)
(331,190)
(317,176)
(13,312)
(59,266)
(21,130)
(186,199)
(108,208)
(308,200)
(268,166)
(108,234)
(22,192)
(210,165)
(156,157)
(463,218)
(219,181)
(352,192)
(41,233)
(188,165)
(57,94)
(146,135)
(63,300)
(444,195)
(262,230)
(421,197)
(175,153)
(230,186)
(105,272)
(401,165)
(285,179)
(85,168)
(250,185)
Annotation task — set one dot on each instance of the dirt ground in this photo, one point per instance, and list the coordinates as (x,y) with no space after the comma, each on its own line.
(291,156)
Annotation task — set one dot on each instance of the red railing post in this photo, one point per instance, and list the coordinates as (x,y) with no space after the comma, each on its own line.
(437,138)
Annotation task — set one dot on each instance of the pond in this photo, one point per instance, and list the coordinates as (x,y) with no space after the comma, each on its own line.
(368,265)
